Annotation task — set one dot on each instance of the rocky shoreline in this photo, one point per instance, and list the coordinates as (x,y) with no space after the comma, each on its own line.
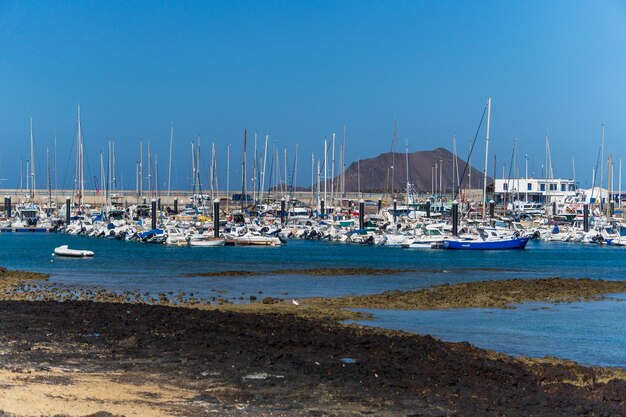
(483,294)
(279,359)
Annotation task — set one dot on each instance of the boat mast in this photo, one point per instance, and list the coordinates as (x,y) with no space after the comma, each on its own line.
(343,161)
(102,180)
(601,165)
(49,180)
(619,196)
(408,184)
(215,171)
(243,169)
(211,172)
(325,168)
(319,180)
(295,172)
(486,156)
(227,176)
(609,184)
(263,171)
(254,171)
(169,169)
(193,171)
(79,162)
(312,176)
(286,176)
(393,154)
(32,162)
(198,177)
(150,189)
(140,182)
(332,172)
(156,176)
(28,176)
(454,168)
(56,188)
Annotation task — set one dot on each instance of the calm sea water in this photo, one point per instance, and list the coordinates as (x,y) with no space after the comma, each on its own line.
(573,331)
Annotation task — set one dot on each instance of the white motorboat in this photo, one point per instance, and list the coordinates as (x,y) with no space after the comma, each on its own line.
(72,253)
(252,238)
(205,243)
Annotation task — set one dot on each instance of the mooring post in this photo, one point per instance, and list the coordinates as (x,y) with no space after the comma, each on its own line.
(380,204)
(395,209)
(68,211)
(428,209)
(216,218)
(154,213)
(612,208)
(586,217)
(492,209)
(176,206)
(455,218)
(282,211)
(361,214)
(322,209)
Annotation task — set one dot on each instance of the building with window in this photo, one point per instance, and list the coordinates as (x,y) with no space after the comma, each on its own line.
(534,190)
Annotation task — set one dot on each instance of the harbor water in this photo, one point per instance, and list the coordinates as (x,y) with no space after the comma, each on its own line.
(588,332)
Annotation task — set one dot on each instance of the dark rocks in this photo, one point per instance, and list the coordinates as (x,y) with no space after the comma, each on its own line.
(396,374)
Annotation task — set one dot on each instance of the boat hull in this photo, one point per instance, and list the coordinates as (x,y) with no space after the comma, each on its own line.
(208,243)
(516,243)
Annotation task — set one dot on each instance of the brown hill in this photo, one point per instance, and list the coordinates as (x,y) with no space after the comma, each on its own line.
(376,173)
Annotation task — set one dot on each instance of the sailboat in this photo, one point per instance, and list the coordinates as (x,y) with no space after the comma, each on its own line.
(29,213)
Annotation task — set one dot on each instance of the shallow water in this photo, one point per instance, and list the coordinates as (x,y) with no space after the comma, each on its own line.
(591,333)
(120,265)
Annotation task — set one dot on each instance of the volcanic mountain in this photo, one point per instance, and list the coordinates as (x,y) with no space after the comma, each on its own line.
(376,173)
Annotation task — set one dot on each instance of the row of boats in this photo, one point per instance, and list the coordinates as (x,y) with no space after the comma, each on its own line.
(379,228)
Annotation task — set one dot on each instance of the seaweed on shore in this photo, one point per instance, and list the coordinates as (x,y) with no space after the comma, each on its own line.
(482,294)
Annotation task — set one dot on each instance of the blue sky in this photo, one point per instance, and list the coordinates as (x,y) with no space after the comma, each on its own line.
(300,70)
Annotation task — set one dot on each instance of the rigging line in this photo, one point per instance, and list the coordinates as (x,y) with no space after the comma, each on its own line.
(470,152)
(595,173)
(510,168)
(68,164)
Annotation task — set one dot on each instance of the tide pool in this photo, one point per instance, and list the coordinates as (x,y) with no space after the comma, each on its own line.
(591,333)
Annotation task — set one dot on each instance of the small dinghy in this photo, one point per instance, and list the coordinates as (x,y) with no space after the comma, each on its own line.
(72,253)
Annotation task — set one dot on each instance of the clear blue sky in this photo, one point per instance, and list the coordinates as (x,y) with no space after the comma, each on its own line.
(300,70)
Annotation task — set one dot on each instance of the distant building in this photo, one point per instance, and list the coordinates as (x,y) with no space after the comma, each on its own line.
(534,190)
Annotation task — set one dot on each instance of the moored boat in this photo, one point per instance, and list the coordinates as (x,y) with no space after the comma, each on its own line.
(206,243)
(488,239)
(64,250)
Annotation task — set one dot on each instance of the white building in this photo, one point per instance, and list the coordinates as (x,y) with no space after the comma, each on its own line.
(533,189)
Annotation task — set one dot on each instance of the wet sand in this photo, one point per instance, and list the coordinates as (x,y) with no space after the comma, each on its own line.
(279,359)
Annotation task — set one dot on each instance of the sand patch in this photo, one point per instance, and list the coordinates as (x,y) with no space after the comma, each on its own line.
(57,391)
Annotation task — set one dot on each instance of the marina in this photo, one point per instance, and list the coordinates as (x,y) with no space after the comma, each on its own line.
(312,209)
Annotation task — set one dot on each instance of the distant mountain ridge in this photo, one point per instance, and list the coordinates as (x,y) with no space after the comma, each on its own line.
(376,175)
